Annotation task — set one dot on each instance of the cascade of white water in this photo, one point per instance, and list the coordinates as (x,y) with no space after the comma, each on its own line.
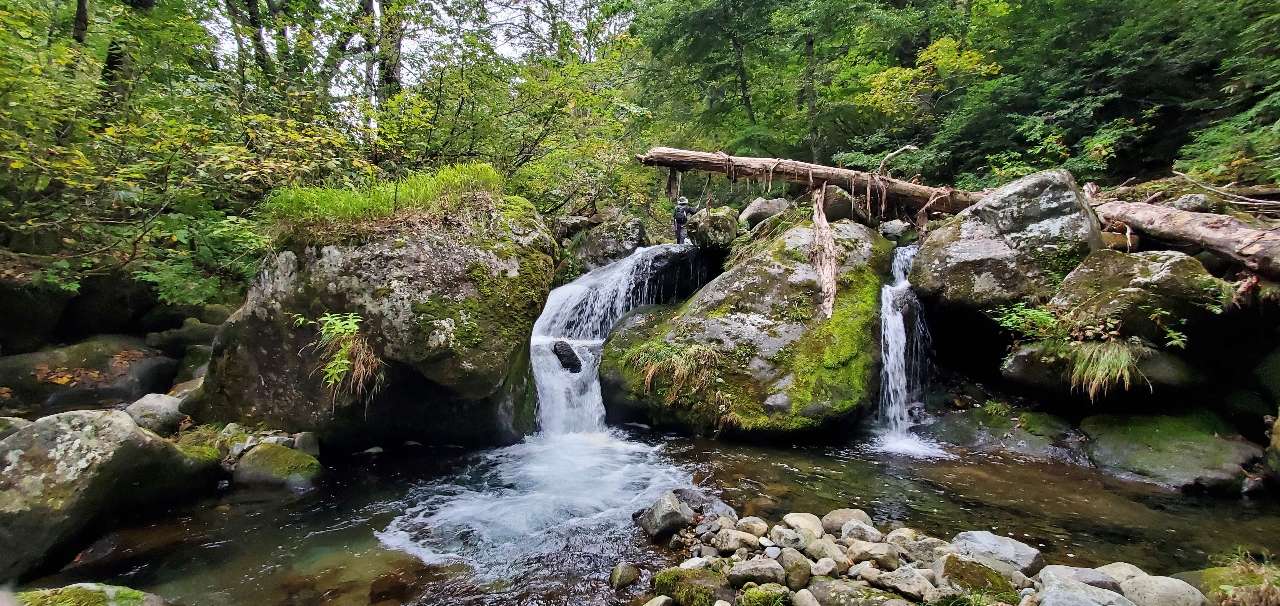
(904,344)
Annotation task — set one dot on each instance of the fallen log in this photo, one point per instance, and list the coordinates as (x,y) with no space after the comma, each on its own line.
(911,196)
(1257,249)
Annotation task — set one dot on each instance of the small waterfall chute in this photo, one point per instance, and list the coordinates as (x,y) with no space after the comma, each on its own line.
(904,349)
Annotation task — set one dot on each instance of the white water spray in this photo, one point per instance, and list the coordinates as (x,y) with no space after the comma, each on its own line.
(904,345)
(570,489)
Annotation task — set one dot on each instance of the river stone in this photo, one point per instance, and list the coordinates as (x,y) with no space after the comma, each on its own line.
(1016,243)
(857,531)
(1194,449)
(785,537)
(307,442)
(728,541)
(781,369)
(275,464)
(983,544)
(64,473)
(1162,591)
(449,309)
(714,228)
(1194,203)
(835,592)
(798,568)
(772,551)
(156,412)
(834,521)
(104,370)
(1131,287)
(693,586)
(804,597)
(568,358)
(925,549)
(971,575)
(753,525)
(708,505)
(885,555)
(760,209)
(908,583)
(95,594)
(826,548)
(804,521)
(661,600)
(1088,576)
(824,567)
(762,571)
(1057,591)
(623,575)
(1121,571)
(666,516)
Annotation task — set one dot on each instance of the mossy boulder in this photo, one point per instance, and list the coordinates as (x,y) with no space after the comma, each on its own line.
(448,307)
(748,353)
(1017,243)
(693,587)
(971,575)
(714,228)
(613,239)
(100,371)
(89,594)
(769,594)
(275,464)
(1190,450)
(1150,294)
(63,473)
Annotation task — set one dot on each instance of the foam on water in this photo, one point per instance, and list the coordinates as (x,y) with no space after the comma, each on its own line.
(904,345)
(570,487)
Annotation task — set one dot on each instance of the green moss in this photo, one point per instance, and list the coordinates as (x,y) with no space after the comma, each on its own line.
(1058,260)
(1043,424)
(84,594)
(201,453)
(691,587)
(282,462)
(973,576)
(769,594)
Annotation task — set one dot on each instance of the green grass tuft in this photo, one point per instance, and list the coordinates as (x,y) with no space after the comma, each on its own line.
(680,365)
(1098,366)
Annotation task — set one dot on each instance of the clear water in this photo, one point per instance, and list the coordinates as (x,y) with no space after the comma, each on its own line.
(904,346)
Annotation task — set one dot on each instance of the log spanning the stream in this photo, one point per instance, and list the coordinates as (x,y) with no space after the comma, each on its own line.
(1257,249)
(911,196)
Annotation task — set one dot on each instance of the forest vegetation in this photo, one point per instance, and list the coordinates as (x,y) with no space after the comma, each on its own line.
(162,137)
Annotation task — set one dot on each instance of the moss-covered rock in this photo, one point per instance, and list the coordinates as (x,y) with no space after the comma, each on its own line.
(971,575)
(615,238)
(275,464)
(100,371)
(1151,294)
(448,307)
(769,594)
(62,473)
(748,353)
(1017,243)
(693,587)
(1195,449)
(89,594)
(714,228)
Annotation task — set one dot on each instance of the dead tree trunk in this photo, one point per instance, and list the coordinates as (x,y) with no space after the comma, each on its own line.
(910,196)
(823,252)
(1257,249)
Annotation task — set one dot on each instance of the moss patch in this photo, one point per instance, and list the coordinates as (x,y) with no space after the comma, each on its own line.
(973,576)
(692,587)
(1043,424)
(281,462)
(84,594)
(769,594)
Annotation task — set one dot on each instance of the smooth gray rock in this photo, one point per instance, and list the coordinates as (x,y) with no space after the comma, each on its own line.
(826,548)
(825,567)
(729,541)
(785,537)
(836,519)
(803,597)
(666,516)
(307,442)
(804,521)
(983,544)
(906,582)
(857,531)
(1162,591)
(760,209)
(623,575)
(763,571)
(1088,576)
(753,525)
(797,567)
(1121,571)
(157,412)
(1195,203)
(1057,591)
(885,555)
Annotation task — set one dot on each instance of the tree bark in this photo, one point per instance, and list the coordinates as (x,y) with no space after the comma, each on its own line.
(743,80)
(1257,249)
(910,196)
(80,30)
(822,253)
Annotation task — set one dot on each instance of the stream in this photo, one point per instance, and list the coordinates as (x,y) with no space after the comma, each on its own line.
(543,521)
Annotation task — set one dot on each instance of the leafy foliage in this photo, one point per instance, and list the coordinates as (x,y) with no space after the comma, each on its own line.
(351,366)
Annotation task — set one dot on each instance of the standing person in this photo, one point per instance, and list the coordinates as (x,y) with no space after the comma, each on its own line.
(681,217)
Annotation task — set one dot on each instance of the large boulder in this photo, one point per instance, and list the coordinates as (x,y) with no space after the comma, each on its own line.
(693,587)
(666,516)
(766,363)
(31,312)
(1162,591)
(760,209)
(1195,449)
(449,309)
(614,239)
(276,464)
(102,371)
(986,546)
(62,474)
(1017,243)
(1146,293)
(714,228)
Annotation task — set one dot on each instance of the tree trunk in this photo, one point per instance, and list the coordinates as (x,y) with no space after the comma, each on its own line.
(1257,249)
(81,28)
(811,98)
(823,252)
(910,196)
(743,81)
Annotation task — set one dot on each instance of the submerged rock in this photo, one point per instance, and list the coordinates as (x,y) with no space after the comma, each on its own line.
(623,575)
(568,358)
(1017,242)
(62,473)
(766,364)
(1195,449)
(449,309)
(101,371)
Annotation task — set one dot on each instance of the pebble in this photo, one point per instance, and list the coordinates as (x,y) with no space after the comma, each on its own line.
(765,542)
(772,552)
(694,564)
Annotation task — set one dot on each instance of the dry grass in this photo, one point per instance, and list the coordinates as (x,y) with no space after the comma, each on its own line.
(682,365)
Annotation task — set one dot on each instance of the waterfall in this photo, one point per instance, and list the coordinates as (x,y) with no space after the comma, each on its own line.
(904,347)
(566,493)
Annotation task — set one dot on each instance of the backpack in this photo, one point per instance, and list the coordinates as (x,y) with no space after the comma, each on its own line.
(681,215)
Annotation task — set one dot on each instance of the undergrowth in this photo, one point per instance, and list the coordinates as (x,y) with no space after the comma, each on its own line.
(1246,581)
(682,365)
(351,366)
